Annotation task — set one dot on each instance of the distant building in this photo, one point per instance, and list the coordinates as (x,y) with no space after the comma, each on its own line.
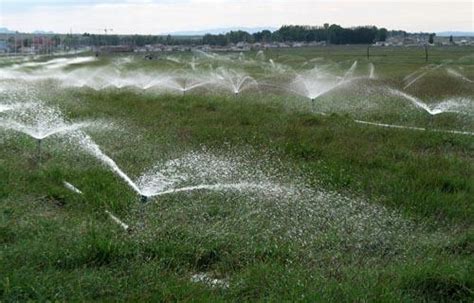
(3,46)
(116,49)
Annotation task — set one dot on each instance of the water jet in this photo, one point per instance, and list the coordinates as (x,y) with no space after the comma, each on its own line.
(318,81)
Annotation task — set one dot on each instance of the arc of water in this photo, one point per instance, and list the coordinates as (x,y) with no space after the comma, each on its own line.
(337,85)
(428,69)
(172,84)
(242,81)
(8,107)
(415,79)
(458,75)
(438,109)
(66,129)
(284,88)
(417,102)
(72,187)
(36,133)
(212,187)
(90,146)
(96,151)
(126,227)
(457,132)
(371,71)
(350,71)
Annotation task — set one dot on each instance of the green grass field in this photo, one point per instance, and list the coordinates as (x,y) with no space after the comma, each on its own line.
(350,212)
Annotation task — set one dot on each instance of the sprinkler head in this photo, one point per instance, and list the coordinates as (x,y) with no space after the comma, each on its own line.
(39,151)
(143,199)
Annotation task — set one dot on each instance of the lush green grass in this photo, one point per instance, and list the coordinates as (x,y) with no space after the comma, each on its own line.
(57,245)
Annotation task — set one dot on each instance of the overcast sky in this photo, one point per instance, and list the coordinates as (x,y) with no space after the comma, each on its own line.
(162,16)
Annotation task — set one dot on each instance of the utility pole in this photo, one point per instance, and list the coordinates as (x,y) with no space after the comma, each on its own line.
(14,47)
(368,52)
(106,31)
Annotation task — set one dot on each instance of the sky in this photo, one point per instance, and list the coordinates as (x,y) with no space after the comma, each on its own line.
(164,16)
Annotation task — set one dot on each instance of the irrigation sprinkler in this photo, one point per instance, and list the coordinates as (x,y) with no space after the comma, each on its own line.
(431,121)
(141,211)
(38,151)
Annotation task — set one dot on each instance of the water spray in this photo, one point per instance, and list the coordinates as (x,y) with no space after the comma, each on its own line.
(118,221)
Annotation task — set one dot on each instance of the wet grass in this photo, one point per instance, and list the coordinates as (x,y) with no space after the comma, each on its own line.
(60,246)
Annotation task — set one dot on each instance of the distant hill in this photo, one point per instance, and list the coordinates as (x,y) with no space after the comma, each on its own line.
(217,31)
(455,34)
(4,30)
(42,32)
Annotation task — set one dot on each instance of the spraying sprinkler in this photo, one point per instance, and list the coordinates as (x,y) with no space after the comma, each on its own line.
(143,199)
(39,150)
(313,101)
(431,120)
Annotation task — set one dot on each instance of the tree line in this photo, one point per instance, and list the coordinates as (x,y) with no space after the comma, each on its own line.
(333,34)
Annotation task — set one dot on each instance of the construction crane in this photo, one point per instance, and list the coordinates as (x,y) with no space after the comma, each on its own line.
(107,30)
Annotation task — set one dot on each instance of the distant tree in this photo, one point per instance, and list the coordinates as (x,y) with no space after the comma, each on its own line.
(220,40)
(334,34)
(382,34)
(239,36)
(326,32)
(451,40)
(263,36)
(56,40)
(26,42)
(431,38)
(276,37)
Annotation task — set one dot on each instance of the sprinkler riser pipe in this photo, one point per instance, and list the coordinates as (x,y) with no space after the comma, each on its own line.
(313,102)
(39,151)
